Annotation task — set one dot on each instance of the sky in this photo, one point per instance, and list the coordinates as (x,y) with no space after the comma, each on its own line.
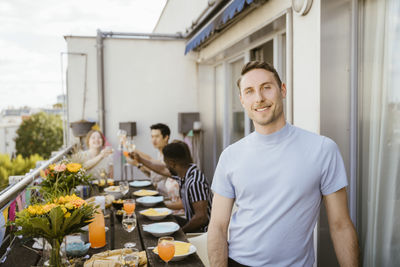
(32,39)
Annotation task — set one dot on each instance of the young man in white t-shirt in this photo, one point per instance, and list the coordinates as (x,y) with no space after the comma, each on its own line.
(277,176)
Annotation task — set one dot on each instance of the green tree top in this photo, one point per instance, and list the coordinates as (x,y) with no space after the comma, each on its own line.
(39,134)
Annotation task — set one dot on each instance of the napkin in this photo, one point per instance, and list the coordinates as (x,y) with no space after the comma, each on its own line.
(153,212)
(109,258)
(181,248)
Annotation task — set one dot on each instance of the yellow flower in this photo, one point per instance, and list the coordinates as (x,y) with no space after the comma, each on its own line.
(74,167)
(64,209)
(51,167)
(69,205)
(68,214)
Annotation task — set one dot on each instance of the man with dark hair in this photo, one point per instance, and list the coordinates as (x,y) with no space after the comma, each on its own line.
(164,129)
(194,188)
(277,176)
(166,186)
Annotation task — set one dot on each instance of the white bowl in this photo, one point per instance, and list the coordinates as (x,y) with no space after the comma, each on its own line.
(141,183)
(157,217)
(161,229)
(114,190)
(149,201)
(192,249)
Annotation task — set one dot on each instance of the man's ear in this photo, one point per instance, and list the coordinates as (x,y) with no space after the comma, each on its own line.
(283,90)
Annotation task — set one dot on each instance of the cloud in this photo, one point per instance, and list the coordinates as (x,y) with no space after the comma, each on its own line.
(31,40)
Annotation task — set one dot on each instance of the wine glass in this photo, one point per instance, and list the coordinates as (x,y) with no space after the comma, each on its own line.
(121,136)
(129,224)
(130,145)
(129,257)
(166,248)
(124,187)
(129,205)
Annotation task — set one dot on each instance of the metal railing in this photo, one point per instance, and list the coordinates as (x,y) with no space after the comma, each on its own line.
(11,192)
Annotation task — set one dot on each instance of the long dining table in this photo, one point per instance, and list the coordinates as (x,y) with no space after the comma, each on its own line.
(22,253)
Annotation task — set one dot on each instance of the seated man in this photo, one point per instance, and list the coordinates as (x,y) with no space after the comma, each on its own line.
(194,188)
(166,186)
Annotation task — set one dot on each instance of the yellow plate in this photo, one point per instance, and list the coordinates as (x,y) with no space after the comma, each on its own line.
(181,248)
(143,192)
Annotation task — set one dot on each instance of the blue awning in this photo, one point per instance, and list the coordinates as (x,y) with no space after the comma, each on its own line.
(217,23)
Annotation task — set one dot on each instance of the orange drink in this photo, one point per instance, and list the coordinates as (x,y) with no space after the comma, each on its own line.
(97,233)
(166,248)
(129,205)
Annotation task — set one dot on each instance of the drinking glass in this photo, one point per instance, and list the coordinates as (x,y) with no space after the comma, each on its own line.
(166,248)
(129,205)
(124,187)
(129,257)
(130,145)
(129,224)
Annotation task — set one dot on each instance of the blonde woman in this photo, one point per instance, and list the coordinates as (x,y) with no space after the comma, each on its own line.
(97,159)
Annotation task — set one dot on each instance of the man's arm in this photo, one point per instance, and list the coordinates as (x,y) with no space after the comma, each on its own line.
(218,230)
(342,231)
(174,205)
(154,165)
(199,219)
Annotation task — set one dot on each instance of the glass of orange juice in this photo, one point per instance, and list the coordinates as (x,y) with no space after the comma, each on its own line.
(166,248)
(129,205)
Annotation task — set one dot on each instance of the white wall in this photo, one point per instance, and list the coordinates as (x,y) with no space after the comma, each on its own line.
(254,21)
(146,81)
(306,68)
(178,15)
(206,98)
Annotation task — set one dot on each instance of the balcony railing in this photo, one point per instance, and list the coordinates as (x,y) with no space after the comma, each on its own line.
(11,192)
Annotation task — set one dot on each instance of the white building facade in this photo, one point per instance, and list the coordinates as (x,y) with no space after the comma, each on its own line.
(191,62)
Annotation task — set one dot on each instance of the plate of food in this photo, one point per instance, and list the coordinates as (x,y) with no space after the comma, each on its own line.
(140,183)
(161,229)
(149,201)
(144,192)
(182,250)
(114,190)
(156,214)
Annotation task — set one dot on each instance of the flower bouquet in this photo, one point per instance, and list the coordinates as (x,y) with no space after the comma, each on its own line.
(53,221)
(63,177)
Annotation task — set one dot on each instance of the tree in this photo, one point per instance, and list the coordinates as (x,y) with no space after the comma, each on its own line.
(39,134)
(15,166)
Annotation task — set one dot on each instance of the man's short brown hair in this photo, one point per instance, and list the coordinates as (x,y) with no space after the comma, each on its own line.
(259,65)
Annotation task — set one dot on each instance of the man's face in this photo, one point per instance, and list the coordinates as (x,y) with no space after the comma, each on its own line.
(170,166)
(261,97)
(158,140)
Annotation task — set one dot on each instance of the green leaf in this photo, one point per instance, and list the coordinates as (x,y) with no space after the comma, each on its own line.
(56,216)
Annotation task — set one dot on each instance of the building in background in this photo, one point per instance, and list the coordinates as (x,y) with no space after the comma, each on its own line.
(339,62)
(11,118)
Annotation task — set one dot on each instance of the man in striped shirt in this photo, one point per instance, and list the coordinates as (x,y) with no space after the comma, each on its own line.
(194,188)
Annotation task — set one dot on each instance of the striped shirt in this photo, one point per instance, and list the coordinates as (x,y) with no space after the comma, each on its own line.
(193,188)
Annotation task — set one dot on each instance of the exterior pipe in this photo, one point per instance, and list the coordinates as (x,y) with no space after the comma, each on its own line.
(289,66)
(142,35)
(353,112)
(100,81)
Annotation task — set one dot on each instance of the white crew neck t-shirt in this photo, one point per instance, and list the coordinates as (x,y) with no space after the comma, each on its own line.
(277,181)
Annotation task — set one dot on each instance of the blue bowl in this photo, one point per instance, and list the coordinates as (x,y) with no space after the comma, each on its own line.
(77,249)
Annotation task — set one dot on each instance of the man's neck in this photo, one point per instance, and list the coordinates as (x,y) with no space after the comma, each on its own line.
(271,127)
(182,171)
